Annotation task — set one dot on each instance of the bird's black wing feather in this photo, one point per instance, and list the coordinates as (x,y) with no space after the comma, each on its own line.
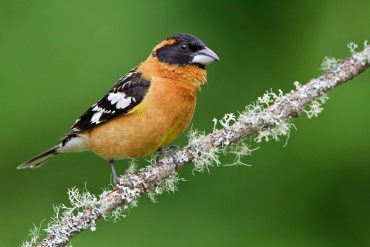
(127,93)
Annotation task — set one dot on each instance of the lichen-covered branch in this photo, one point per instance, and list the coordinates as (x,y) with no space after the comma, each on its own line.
(268,118)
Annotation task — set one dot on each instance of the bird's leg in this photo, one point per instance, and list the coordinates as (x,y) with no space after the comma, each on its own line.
(162,151)
(114,173)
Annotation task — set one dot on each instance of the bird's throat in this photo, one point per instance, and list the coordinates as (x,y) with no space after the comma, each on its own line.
(190,76)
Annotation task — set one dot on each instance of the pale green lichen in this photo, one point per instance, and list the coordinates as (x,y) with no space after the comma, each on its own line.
(203,160)
(316,107)
(240,150)
(329,63)
(352,47)
(33,237)
(168,185)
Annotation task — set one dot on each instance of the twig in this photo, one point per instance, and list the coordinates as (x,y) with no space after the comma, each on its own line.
(269,121)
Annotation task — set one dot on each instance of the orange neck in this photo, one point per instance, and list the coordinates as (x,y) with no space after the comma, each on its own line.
(189,76)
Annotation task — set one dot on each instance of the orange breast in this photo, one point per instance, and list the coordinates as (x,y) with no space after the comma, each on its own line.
(164,114)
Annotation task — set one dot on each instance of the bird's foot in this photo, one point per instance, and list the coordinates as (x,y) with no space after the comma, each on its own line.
(115,178)
(166,150)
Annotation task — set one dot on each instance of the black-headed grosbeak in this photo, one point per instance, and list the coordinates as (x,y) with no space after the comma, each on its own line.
(146,109)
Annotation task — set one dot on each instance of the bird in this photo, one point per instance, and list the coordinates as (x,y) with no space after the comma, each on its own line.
(145,110)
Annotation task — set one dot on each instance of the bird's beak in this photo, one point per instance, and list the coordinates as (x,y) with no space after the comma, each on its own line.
(205,56)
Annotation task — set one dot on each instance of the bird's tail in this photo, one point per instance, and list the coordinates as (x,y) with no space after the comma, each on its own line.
(40,159)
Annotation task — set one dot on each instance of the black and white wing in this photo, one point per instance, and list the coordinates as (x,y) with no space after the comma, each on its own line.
(127,93)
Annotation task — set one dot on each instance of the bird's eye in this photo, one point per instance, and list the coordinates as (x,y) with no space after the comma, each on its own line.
(184,46)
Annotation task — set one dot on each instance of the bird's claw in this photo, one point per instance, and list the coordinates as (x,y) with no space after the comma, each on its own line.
(166,150)
(115,178)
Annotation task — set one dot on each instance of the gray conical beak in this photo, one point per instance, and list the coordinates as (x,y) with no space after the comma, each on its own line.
(205,56)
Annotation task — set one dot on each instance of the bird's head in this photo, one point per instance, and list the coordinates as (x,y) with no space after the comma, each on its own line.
(184,49)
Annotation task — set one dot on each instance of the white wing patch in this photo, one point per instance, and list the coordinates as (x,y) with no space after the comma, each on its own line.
(98,112)
(127,93)
(95,118)
(120,100)
(100,109)
(128,75)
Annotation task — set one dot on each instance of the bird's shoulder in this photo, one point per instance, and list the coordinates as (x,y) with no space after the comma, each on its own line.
(128,92)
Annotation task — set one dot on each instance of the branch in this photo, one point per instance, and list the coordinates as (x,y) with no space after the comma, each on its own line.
(268,118)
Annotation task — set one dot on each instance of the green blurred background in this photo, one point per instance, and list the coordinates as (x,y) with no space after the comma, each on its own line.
(58,57)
